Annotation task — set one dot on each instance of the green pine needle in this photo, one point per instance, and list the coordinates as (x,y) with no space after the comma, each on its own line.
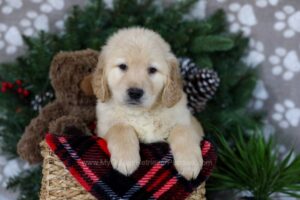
(207,42)
(28,182)
(247,162)
(212,43)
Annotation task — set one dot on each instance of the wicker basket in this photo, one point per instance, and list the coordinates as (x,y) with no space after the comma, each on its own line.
(58,184)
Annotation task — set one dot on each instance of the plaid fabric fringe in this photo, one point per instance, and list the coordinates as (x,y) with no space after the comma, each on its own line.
(87,159)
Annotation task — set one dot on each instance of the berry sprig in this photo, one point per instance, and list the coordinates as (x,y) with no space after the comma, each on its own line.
(16,87)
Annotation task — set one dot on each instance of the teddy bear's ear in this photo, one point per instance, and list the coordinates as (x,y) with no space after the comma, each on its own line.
(86,85)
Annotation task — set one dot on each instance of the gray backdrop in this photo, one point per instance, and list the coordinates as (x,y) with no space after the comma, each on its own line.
(274,28)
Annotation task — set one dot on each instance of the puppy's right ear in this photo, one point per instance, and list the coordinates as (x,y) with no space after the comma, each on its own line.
(172,92)
(99,81)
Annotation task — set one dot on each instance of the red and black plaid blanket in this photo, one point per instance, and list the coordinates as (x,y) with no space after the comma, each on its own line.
(87,159)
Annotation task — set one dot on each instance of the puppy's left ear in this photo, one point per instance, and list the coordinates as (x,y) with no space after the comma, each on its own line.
(172,92)
(86,85)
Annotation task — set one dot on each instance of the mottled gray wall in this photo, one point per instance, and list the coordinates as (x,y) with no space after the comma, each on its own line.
(273,25)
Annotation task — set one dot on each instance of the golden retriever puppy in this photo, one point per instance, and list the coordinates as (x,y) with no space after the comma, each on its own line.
(140,98)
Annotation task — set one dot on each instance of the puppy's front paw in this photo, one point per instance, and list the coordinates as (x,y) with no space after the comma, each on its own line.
(188,163)
(126,162)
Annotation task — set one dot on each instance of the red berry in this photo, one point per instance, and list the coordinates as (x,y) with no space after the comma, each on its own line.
(3,89)
(4,84)
(20,90)
(9,85)
(25,93)
(18,82)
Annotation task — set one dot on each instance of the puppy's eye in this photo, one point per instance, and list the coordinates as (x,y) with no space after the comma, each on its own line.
(152,70)
(123,67)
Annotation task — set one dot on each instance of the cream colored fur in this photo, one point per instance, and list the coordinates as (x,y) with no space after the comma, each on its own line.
(162,114)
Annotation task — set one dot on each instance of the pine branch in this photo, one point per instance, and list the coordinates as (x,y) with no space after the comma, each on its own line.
(28,182)
(250,163)
(89,27)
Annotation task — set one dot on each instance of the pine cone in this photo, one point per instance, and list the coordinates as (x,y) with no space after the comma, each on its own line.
(200,85)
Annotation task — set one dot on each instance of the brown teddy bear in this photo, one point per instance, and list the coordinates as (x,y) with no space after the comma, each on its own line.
(72,110)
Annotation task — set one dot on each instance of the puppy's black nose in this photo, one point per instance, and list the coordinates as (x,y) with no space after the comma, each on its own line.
(135,93)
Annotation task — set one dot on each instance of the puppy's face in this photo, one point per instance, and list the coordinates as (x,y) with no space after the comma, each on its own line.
(136,78)
(136,69)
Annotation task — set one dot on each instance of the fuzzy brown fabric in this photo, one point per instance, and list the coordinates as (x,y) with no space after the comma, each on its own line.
(68,125)
(71,111)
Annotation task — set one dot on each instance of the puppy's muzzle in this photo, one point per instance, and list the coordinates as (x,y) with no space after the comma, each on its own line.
(135,94)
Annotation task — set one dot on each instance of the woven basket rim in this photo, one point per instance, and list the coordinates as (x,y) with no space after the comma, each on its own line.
(59,184)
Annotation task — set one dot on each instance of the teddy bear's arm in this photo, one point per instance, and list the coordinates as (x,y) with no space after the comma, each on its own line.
(69,125)
(28,147)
